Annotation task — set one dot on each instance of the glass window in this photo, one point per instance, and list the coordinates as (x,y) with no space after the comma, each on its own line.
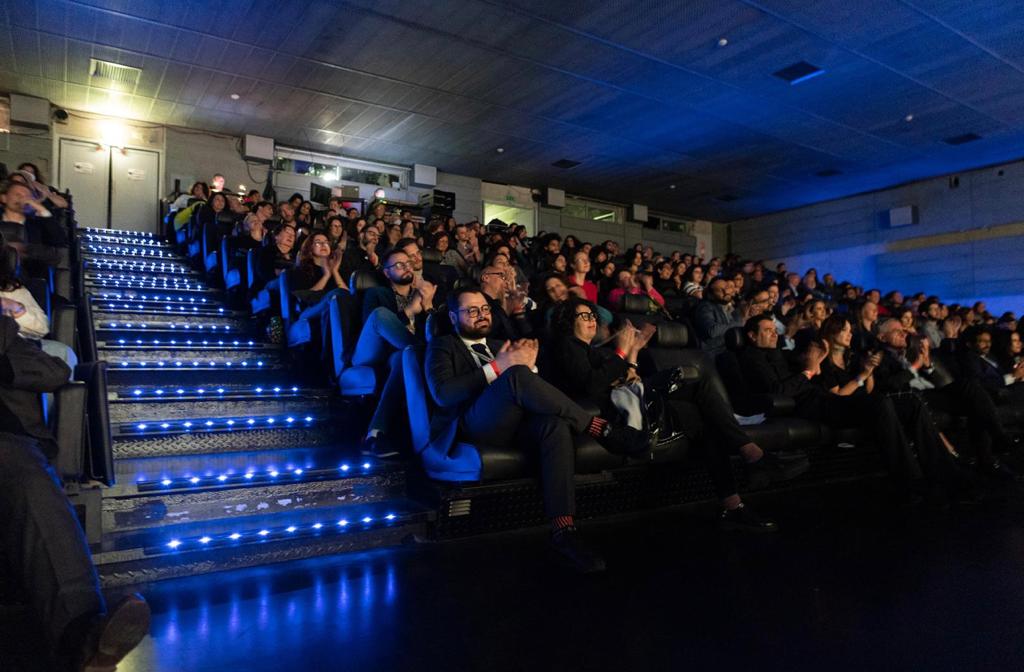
(332,168)
(600,212)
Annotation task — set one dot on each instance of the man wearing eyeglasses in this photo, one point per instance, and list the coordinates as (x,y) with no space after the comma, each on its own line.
(394,317)
(508,311)
(488,393)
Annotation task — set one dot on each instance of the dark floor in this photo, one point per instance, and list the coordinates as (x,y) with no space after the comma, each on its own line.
(850,584)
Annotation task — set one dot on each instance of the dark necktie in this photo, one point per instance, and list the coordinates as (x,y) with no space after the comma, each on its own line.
(482,353)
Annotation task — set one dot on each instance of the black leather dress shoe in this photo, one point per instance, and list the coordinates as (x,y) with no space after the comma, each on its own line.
(625,440)
(115,635)
(744,520)
(573,553)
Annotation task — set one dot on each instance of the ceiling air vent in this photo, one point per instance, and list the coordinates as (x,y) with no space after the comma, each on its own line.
(962,139)
(107,75)
(565,163)
(727,198)
(799,72)
(828,172)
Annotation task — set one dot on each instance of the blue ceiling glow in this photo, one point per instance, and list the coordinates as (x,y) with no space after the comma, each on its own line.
(641,94)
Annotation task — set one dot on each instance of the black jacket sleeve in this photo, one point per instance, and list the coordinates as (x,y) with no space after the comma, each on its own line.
(765,372)
(448,386)
(585,371)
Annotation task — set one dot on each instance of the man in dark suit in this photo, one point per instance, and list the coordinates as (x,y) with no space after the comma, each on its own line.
(488,392)
(902,371)
(394,317)
(767,371)
(41,538)
(978,364)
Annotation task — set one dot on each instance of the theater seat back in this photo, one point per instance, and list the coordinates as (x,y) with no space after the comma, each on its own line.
(636,303)
(418,398)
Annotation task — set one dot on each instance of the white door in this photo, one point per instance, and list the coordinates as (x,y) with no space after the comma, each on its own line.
(84,168)
(134,189)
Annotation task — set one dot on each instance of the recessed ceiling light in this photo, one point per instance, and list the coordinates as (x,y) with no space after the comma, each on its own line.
(235,96)
(908,118)
(799,72)
(722,42)
(500,150)
(671,186)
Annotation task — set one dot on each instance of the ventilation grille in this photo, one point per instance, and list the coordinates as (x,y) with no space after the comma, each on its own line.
(962,139)
(107,75)
(799,72)
(565,163)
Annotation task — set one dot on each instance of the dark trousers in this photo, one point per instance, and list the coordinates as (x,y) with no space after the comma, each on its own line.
(700,410)
(936,462)
(44,546)
(522,409)
(968,398)
(874,413)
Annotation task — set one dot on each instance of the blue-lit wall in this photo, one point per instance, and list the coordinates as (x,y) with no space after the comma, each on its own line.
(964,247)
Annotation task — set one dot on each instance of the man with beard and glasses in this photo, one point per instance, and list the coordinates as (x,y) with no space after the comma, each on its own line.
(488,393)
(394,317)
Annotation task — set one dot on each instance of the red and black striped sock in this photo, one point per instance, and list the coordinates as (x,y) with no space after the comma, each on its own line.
(597,427)
(559,523)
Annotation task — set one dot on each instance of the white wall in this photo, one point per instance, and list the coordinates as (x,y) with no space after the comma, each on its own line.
(963,248)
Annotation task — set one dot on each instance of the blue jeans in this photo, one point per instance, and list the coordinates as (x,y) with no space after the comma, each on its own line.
(382,334)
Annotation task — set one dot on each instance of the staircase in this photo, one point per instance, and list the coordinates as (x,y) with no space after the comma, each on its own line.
(224,454)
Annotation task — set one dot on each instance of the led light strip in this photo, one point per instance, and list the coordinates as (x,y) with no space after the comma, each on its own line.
(170,325)
(118,251)
(184,344)
(214,424)
(155,297)
(269,475)
(277,390)
(126,232)
(262,534)
(145,285)
(194,364)
(124,240)
(197,310)
(141,267)
(132,278)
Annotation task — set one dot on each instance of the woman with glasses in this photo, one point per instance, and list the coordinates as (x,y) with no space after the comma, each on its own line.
(606,377)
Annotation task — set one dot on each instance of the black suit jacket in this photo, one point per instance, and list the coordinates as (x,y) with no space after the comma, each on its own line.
(582,371)
(25,372)
(767,371)
(504,327)
(455,380)
(972,366)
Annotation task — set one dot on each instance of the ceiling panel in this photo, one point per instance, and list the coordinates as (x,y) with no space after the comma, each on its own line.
(641,93)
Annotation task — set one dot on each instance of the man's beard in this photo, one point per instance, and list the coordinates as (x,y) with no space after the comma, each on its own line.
(404,280)
(478,330)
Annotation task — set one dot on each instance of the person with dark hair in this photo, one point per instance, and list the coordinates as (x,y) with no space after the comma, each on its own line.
(716,315)
(41,192)
(394,317)
(767,371)
(902,370)
(46,551)
(200,191)
(979,363)
(361,257)
(693,281)
(840,377)
(608,377)
(487,393)
(27,226)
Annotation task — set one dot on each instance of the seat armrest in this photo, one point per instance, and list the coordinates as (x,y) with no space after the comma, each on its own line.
(774,404)
(69,430)
(62,325)
(588,405)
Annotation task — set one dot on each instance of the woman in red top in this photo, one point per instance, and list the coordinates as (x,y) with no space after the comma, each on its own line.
(578,276)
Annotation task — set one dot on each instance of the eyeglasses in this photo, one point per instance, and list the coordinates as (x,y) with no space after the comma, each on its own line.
(587,317)
(476,311)
(484,275)
(400,265)
(321,242)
